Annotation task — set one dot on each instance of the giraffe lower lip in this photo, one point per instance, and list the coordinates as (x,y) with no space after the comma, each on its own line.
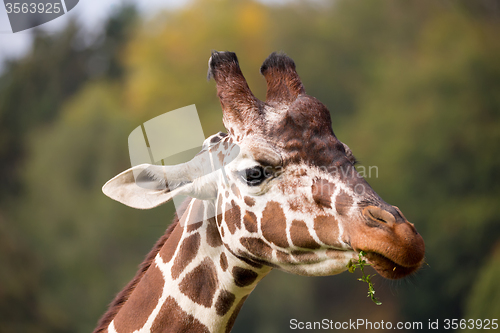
(388,268)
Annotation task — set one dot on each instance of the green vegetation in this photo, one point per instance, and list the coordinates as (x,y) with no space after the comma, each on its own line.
(361,263)
(412,87)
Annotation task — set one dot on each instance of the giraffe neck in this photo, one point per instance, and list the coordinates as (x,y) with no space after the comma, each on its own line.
(194,284)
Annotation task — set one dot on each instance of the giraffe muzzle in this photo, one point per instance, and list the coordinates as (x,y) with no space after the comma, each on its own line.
(393,246)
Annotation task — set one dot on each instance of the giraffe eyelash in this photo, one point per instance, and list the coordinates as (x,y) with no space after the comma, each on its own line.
(255,176)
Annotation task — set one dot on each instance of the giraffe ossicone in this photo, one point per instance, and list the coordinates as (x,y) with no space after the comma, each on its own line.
(285,195)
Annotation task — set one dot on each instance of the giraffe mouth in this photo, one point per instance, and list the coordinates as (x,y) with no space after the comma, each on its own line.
(394,249)
(388,268)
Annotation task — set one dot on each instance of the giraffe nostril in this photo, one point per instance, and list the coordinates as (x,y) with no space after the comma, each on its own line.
(377,218)
(380,215)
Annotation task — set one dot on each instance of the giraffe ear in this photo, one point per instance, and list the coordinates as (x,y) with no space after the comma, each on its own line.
(147,186)
(144,186)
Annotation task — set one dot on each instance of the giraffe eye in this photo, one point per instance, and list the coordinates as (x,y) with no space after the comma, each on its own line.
(255,176)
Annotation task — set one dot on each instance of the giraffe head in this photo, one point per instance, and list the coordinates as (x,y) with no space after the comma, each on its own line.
(286,193)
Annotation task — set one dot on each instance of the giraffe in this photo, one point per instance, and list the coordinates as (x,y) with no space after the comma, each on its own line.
(286,195)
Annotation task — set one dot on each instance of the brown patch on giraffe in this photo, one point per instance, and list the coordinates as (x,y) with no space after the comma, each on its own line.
(232,217)
(327,229)
(232,319)
(305,256)
(273,224)
(343,203)
(140,304)
(250,221)
(257,247)
(224,302)
(299,233)
(243,277)
(172,319)
(223,261)
(187,252)
(201,283)
(213,236)
(167,251)
(226,194)
(236,191)
(222,231)
(249,201)
(283,257)
(322,191)
(193,226)
(335,254)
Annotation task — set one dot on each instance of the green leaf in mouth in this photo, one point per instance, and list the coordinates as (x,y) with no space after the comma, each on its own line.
(361,263)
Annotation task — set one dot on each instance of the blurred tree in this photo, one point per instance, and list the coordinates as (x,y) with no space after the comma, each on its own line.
(32,89)
(32,93)
(413,90)
(483,300)
(19,308)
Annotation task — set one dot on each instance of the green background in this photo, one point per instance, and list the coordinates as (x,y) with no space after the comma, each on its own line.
(413,88)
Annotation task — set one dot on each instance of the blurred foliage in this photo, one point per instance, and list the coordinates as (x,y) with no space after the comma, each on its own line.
(32,91)
(413,90)
(483,300)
